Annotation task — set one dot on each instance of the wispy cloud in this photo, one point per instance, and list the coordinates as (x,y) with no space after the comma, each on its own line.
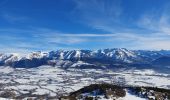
(157,21)
(153,25)
(99,14)
(150,31)
(48,39)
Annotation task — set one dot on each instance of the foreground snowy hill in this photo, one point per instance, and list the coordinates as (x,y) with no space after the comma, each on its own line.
(106,91)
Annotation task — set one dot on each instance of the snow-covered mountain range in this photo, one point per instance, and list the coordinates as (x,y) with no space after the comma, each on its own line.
(106,58)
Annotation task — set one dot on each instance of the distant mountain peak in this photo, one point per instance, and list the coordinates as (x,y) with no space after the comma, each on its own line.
(99,57)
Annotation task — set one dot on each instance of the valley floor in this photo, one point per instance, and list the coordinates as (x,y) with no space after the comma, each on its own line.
(54,81)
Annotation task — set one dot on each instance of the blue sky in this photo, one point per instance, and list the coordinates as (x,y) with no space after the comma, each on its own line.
(33,25)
